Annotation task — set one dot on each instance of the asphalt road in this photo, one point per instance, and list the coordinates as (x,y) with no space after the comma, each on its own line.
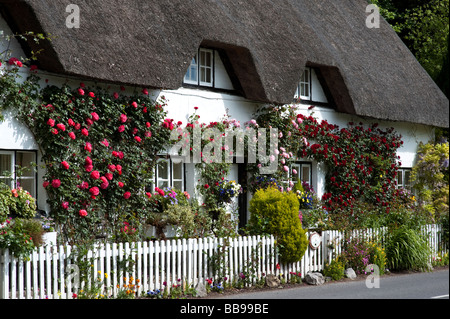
(430,285)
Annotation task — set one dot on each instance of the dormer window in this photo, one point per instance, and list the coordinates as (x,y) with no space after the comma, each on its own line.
(309,89)
(207,70)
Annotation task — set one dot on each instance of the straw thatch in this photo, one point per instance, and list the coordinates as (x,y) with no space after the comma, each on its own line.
(368,72)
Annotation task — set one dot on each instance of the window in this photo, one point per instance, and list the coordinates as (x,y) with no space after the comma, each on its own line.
(309,88)
(201,71)
(404,178)
(16,170)
(169,174)
(304,86)
(301,171)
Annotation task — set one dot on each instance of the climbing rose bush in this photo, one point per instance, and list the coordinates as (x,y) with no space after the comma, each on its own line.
(99,150)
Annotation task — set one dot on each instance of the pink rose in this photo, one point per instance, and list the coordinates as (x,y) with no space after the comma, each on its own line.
(95,175)
(65,164)
(81,91)
(148,134)
(134,104)
(91,94)
(123,118)
(61,126)
(120,184)
(54,131)
(65,205)
(121,128)
(72,135)
(82,213)
(126,195)
(56,183)
(109,176)
(138,139)
(84,132)
(51,122)
(84,185)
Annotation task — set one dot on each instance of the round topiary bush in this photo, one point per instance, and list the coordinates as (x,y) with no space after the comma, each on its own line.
(275,212)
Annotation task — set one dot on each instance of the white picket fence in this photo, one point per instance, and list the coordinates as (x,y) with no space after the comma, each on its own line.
(51,271)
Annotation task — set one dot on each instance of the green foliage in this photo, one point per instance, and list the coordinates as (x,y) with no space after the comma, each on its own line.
(377,256)
(275,212)
(15,237)
(407,249)
(335,269)
(356,255)
(429,178)
(16,202)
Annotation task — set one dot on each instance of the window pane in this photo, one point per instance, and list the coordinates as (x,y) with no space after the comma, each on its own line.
(306,173)
(178,185)
(163,169)
(27,184)
(177,170)
(400,178)
(24,160)
(5,164)
(191,74)
(407,179)
(163,184)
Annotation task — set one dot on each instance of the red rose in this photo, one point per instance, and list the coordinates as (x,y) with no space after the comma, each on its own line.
(120,184)
(134,104)
(121,128)
(56,183)
(95,116)
(65,205)
(109,176)
(88,160)
(126,195)
(81,91)
(138,139)
(206,186)
(84,132)
(71,122)
(61,126)
(65,164)
(116,95)
(91,94)
(94,191)
(95,175)
(82,213)
(112,167)
(45,184)
(88,147)
(54,131)
(88,167)
(51,122)
(145,91)
(72,135)
(123,118)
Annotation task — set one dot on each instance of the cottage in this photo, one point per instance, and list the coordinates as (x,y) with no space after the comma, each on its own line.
(227,57)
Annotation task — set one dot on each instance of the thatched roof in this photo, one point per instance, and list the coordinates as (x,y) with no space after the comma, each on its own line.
(368,72)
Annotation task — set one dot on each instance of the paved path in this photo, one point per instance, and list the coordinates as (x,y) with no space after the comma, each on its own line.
(431,285)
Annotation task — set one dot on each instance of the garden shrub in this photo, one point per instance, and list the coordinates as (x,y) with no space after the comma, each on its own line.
(274,212)
(15,237)
(377,257)
(335,269)
(407,249)
(356,254)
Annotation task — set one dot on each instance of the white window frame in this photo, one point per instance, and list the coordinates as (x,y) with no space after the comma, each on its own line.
(304,87)
(14,183)
(170,179)
(202,67)
(401,173)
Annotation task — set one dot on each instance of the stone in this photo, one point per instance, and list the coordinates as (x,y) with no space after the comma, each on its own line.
(272,281)
(200,289)
(314,278)
(350,273)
